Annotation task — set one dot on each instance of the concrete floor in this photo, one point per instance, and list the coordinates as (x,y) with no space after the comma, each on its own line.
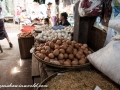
(12,68)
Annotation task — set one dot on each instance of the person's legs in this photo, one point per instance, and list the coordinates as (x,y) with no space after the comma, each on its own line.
(10,44)
(54,20)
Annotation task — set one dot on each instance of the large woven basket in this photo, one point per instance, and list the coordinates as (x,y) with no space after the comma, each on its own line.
(85,69)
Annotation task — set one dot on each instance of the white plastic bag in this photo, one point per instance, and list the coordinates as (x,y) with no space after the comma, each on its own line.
(107,60)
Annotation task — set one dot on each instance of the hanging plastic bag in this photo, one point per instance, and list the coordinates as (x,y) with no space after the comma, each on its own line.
(90,7)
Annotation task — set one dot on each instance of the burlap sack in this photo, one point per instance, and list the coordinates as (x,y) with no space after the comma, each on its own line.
(107,60)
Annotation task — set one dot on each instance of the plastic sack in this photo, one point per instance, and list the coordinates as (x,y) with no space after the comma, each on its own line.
(58,27)
(90,7)
(107,60)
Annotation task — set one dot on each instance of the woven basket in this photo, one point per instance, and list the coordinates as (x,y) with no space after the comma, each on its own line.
(86,69)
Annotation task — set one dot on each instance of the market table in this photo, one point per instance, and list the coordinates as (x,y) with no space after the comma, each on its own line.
(11,17)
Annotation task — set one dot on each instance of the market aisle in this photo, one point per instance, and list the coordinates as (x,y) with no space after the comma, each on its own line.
(12,68)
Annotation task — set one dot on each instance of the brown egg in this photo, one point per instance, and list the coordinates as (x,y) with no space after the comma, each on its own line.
(60,56)
(65,55)
(80,44)
(67,63)
(56,52)
(74,51)
(59,42)
(69,42)
(46,44)
(89,52)
(85,45)
(51,44)
(63,47)
(41,56)
(69,50)
(74,42)
(61,61)
(43,51)
(82,56)
(78,56)
(76,46)
(81,62)
(86,52)
(54,41)
(62,51)
(82,47)
(56,62)
(47,59)
(37,52)
(71,56)
(51,56)
(75,63)
(80,53)
(75,59)
(47,48)
(57,47)
(38,48)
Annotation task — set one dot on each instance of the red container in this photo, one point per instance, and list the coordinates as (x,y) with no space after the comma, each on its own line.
(28,28)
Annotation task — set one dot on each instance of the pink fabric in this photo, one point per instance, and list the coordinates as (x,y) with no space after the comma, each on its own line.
(19,12)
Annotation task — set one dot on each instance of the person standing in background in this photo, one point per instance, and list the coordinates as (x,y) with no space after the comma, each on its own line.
(55,13)
(3,33)
(49,10)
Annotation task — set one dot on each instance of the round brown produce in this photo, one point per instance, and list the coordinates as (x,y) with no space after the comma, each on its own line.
(74,42)
(47,48)
(86,52)
(46,44)
(82,56)
(51,44)
(69,50)
(60,56)
(65,55)
(59,42)
(75,51)
(75,59)
(76,45)
(63,47)
(43,51)
(37,52)
(85,45)
(82,61)
(89,52)
(56,52)
(67,63)
(47,59)
(51,56)
(71,56)
(61,61)
(57,47)
(80,52)
(62,51)
(69,42)
(41,56)
(78,56)
(75,63)
(38,48)
(56,62)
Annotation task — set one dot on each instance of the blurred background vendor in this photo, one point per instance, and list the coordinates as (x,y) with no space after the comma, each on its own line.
(63,19)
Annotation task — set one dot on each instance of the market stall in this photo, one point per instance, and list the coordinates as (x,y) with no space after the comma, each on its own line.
(70,54)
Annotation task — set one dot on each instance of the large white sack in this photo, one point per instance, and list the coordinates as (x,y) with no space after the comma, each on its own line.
(107,60)
(115,24)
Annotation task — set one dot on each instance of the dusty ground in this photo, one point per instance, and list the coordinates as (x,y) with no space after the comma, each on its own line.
(12,68)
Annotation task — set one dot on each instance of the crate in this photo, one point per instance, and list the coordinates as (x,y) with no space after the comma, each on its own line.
(25,44)
(96,39)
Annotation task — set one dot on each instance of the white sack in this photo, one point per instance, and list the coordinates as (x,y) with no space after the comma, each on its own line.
(115,24)
(107,60)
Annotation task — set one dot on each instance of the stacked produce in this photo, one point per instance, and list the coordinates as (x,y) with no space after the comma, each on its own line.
(42,28)
(63,52)
(25,34)
(50,34)
(83,80)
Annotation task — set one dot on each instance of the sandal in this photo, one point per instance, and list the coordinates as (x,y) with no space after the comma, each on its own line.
(11,45)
